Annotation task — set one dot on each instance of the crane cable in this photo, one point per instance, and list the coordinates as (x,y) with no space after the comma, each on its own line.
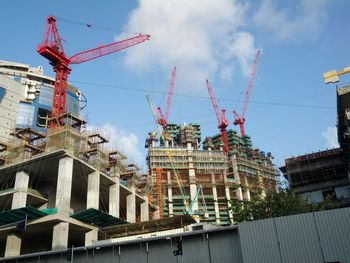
(178,181)
(93,26)
(282,103)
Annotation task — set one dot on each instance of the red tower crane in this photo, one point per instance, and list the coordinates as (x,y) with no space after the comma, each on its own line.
(223,122)
(52,49)
(240,119)
(163,120)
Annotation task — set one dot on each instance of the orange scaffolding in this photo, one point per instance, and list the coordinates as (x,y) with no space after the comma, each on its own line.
(159,172)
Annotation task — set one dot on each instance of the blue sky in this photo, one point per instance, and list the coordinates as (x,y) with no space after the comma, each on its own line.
(291,111)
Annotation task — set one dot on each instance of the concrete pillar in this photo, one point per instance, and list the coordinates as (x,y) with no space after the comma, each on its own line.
(60,236)
(261,186)
(92,201)
(131,206)
(194,200)
(21,186)
(237,178)
(170,195)
(64,185)
(247,195)
(227,193)
(228,197)
(246,192)
(114,199)
(215,198)
(193,190)
(156,215)
(13,245)
(93,190)
(90,237)
(239,193)
(145,210)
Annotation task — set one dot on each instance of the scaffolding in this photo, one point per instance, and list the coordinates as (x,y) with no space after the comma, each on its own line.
(25,144)
(89,146)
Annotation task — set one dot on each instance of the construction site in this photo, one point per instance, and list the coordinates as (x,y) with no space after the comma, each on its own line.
(65,187)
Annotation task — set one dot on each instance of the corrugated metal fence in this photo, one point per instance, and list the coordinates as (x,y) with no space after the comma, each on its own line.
(312,237)
(202,247)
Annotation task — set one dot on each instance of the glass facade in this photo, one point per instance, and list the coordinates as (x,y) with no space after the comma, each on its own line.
(46,95)
(34,114)
(25,117)
(2,93)
(73,103)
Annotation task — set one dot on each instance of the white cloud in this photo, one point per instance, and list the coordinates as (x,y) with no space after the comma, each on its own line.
(126,142)
(301,19)
(242,48)
(202,38)
(330,135)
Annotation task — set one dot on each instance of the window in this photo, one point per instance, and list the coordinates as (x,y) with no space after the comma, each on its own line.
(2,93)
(329,194)
(43,116)
(25,115)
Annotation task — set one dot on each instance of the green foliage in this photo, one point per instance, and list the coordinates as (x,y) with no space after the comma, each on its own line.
(273,205)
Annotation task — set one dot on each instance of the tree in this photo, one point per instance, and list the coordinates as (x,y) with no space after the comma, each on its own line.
(273,205)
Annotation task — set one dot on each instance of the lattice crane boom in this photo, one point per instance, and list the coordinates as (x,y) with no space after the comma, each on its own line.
(107,49)
(170,94)
(52,49)
(222,121)
(163,119)
(240,119)
(213,101)
(154,113)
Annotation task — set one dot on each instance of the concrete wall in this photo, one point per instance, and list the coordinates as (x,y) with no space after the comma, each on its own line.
(10,91)
(341,192)
(313,197)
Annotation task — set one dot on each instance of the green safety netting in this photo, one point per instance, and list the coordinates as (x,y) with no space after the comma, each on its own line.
(98,218)
(15,215)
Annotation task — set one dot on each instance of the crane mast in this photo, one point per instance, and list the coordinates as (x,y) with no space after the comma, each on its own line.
(52,49)
(223,122)
(240,119)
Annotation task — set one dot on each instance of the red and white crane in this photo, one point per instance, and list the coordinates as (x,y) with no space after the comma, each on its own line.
(223,122)
(163,120)
(52,49)
(240,119)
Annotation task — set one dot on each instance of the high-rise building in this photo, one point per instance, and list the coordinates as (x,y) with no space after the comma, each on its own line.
(26,96)
(202,182)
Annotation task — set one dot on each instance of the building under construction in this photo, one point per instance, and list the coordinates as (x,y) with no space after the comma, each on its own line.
(314,176)
(65,187)
(59,187)
(201,182)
